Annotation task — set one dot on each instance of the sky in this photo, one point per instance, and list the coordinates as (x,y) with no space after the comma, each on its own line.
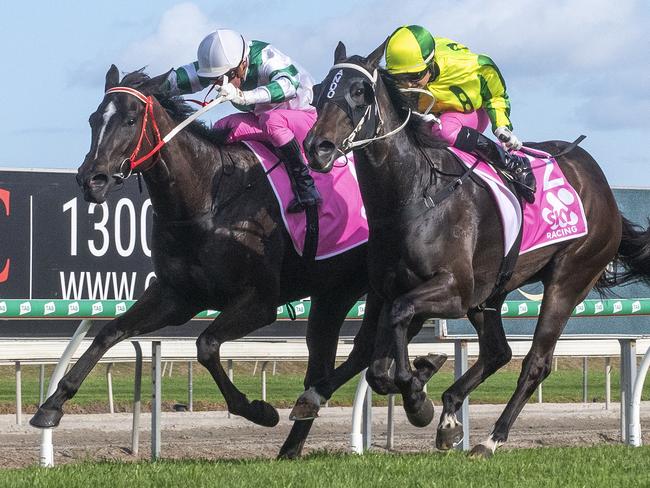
(571,67)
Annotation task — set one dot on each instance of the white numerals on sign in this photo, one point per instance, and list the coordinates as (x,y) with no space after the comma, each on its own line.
(125,216)
(128,204)
(101,228)
(72,206)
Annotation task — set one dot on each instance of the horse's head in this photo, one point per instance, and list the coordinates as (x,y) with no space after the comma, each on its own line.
(118,127)
(347,108)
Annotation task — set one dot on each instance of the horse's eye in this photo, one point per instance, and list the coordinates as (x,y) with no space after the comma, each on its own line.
(130,121)
(358,92)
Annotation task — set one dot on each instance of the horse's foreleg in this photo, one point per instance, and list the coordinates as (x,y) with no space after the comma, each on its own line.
(378,372)
(157,308)
(438,297)
(494,352)
(325,320)
(249,312)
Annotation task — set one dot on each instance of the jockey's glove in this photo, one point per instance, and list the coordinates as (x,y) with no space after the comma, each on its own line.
(506,136)
(233,94)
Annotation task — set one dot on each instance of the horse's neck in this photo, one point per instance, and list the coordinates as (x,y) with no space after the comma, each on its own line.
(390,174)
(180,182)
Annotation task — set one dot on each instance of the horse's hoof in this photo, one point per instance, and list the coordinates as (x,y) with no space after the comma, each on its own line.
(46,418)
(449,438)
(481,452)
(422,417)
(428,365)
(304,410)
(263,413)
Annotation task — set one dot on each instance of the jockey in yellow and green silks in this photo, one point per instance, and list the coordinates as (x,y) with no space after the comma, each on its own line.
(469,94)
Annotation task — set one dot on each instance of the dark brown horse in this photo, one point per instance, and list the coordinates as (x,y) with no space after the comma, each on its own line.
(219,242)
(443,260)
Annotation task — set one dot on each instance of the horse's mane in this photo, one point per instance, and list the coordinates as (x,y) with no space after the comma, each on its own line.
(418,129)
(178,109)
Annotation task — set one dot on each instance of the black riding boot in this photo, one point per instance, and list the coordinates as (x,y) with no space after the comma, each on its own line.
(518,167)
(302,182)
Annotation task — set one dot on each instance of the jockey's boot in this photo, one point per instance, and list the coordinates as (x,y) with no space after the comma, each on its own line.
(302,182)
(517,167)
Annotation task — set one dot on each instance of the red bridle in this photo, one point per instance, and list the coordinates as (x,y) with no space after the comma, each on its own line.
(133,160)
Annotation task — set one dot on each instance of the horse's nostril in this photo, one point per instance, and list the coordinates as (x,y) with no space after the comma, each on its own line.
(325,148)
(98,181)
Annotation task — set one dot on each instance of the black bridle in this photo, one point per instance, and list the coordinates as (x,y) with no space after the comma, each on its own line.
(365,117)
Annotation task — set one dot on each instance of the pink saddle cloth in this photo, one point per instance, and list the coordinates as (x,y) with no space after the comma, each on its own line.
(342,218)
(557,214)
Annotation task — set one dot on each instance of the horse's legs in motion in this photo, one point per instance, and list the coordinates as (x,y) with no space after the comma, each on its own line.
(494,352)
(249,312)
(559,300)
(157,308)
(439,297)
(322,379)
(382,356)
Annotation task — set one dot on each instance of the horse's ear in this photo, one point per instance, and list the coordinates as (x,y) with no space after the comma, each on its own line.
(156,85)
(112,77)
(375,56)
(339,53)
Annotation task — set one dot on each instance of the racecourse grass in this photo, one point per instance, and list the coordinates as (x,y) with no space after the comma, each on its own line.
(602,466)
(564,385)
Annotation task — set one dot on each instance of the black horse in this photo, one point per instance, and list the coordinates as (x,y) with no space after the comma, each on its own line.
(436,245)
(219,242)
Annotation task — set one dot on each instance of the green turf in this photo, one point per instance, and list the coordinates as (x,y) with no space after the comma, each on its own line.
(542,467)
(564,385)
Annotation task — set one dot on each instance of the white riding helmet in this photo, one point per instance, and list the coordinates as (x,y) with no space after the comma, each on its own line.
(221,51)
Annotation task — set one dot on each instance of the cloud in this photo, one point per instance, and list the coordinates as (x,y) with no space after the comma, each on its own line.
(593,51)
(174,42)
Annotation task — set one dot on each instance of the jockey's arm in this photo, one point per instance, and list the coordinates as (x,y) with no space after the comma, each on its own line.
(184,80)
(280,89)
(283,83)
(493,92)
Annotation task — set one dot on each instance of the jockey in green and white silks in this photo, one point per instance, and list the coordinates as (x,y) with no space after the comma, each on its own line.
(468,92)
(273,91)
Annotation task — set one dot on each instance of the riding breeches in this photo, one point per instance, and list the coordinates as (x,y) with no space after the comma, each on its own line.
(452,122)
(278,126)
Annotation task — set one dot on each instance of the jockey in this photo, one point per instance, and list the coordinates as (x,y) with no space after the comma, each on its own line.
(469,92)
(273,92)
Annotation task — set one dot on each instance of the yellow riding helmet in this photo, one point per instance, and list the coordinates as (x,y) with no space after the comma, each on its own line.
(409,50)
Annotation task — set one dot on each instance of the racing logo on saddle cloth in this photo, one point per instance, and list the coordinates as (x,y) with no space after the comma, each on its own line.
(341,217)
(557,214)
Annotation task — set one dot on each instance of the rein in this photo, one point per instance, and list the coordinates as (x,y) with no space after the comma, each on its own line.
(134,161)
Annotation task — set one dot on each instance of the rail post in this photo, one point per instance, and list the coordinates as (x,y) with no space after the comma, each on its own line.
(156,392)
(46,448)
(19,394)
(460,366)
(137,394)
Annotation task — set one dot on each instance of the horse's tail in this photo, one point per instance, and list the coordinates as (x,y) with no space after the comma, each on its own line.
(632,262)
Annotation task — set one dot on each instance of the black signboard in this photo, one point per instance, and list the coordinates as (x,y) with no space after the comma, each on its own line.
(53,244)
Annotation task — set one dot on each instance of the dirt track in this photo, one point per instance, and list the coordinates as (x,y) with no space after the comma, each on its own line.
(211,435)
